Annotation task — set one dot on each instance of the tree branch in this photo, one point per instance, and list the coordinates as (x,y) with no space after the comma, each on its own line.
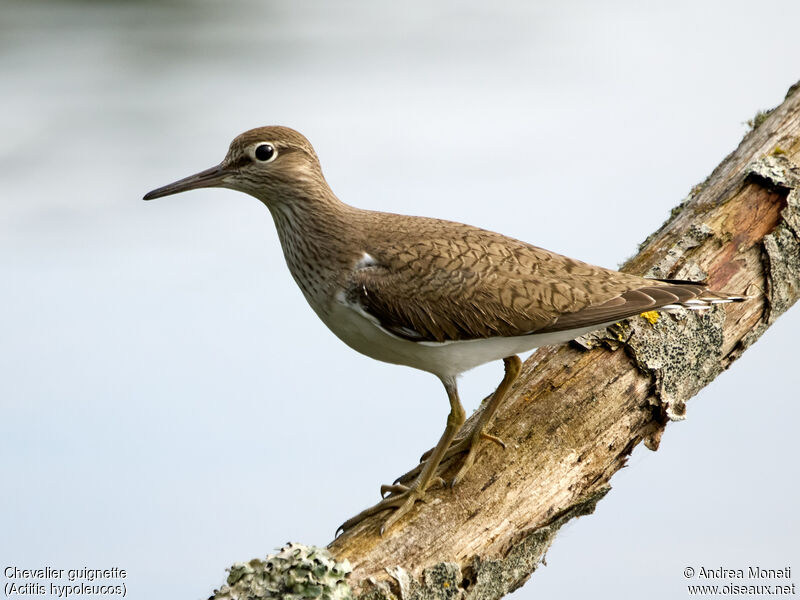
(577,411)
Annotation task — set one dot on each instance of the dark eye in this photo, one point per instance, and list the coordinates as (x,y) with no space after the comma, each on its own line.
(265,152)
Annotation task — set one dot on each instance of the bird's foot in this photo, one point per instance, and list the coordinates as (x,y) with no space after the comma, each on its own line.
(469,444)
(464,444)
(401,499)
(470,439)
(397,488)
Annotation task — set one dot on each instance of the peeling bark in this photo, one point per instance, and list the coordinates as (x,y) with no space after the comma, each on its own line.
(577,411)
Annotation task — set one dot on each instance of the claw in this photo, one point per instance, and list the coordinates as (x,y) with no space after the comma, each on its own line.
(393,489)
(466,465)
(402,502)
(493,438)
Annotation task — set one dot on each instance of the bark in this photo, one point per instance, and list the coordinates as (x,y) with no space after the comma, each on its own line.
(577,411)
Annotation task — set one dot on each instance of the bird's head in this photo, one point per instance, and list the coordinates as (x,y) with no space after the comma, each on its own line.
(270,163)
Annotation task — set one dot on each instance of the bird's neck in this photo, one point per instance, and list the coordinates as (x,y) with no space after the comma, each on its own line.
(319,236)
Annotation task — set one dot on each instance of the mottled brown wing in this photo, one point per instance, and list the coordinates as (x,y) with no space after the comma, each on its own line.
(394,301)
(628,304)
(478,284)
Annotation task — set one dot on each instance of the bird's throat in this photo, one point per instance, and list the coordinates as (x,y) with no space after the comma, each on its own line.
(320,242)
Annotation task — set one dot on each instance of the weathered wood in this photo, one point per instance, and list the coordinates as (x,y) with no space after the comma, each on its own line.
(577,411)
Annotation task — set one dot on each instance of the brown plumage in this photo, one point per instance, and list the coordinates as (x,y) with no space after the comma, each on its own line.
(446,281)
(435,295)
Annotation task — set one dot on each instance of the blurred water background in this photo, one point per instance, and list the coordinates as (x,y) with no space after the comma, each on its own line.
(169,403)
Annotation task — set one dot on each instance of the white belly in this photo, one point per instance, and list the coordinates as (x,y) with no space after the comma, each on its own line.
(446,359)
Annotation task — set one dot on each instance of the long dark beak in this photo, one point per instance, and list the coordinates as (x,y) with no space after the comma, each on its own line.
(212,177)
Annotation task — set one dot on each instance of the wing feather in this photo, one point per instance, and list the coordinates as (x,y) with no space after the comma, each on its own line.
(476,284)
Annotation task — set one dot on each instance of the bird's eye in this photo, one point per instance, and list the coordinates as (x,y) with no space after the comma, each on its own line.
(265,152)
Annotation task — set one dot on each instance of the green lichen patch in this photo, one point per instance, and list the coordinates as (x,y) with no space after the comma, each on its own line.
(782,246)
(297,572)
(782,259)
(775,171)
(681,351)
(695,236)
(759,118)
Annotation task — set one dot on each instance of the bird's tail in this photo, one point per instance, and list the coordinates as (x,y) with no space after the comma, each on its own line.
(705,299)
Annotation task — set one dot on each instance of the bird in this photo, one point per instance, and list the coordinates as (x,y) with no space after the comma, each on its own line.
(439,296)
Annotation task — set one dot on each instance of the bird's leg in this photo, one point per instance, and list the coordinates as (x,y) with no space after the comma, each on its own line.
(470,441)
(402,498)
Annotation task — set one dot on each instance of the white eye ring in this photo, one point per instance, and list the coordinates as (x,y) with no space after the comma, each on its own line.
(264,152)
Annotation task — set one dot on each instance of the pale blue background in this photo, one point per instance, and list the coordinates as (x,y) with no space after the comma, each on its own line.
(171,405)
